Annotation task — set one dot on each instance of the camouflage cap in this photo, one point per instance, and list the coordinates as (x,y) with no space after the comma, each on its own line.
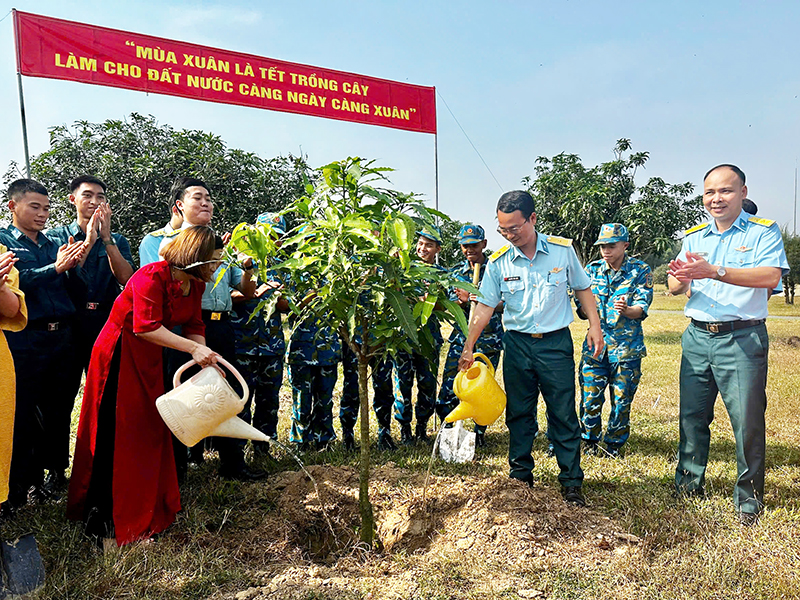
(276,220)
(612,232)
(471,234)
(432,233)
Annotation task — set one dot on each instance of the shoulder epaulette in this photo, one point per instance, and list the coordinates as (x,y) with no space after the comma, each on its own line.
(696,228)
(500,252)
(760,221)
(559,241)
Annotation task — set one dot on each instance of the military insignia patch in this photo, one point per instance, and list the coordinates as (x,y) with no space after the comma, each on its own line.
(559,241)
(696,228)
(500,252)
(742,249)
(557,269)
(760,221)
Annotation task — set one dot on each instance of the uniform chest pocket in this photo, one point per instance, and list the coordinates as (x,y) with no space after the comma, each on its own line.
(512,292)
(741,260)
(555,283)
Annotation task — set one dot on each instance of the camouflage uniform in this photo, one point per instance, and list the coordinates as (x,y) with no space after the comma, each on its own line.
(349,404)
(489,343)
(620,363)
(313,356)
(260,349)
(406,366)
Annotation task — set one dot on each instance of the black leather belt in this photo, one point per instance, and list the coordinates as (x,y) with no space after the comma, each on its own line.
(47,325)
(726,326)
(216,315)
(538,336)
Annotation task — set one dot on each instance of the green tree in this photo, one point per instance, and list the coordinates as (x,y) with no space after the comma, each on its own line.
(574,201)
(139,159)
(791,244)
(353,268)
(451,254)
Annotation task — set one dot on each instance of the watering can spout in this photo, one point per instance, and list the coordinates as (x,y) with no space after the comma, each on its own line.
(460,412)
(236,428)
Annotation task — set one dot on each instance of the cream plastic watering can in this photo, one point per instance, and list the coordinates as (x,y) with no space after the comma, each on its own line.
(482,400)
(205,405)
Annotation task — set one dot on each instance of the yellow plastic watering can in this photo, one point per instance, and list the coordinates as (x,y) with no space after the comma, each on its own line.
(482,400)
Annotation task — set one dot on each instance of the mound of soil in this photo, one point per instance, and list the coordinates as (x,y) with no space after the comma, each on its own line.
(480,521)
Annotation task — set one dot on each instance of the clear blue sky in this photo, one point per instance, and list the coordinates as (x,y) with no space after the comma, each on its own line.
(693,83)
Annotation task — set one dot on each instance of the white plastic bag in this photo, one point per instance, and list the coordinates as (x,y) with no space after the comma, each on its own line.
(457,444)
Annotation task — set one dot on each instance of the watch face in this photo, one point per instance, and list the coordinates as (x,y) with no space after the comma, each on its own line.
(722,271)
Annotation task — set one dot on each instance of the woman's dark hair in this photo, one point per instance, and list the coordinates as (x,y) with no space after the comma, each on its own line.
(192,245)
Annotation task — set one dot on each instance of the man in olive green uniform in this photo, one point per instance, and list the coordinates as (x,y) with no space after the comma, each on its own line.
(530,275)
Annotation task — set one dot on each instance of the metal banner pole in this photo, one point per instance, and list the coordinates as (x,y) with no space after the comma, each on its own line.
(24,127)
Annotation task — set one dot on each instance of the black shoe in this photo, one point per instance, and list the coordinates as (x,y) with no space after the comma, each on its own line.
(261,450)
(55,482)
(528,480)
(748,519)
(243,473)
(612,451)
(572,495)
(325,446)
(349,440)
(385,441)
(422,432)
(480,440)
(197,453)
(590,448)
(405,434)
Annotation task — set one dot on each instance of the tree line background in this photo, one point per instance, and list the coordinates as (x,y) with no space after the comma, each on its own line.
(139,158)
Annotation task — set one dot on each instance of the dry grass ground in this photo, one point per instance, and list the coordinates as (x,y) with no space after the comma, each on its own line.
(479,535)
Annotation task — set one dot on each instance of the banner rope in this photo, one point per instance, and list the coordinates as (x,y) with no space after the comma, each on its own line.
(469,140)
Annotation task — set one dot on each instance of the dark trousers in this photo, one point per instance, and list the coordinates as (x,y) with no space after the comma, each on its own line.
(545,364)
(735,365)
(45,380)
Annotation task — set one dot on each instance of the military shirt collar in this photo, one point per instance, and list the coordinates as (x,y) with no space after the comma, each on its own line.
(42,239)
(740,223)
(623,268)
(74,229)
(541,246)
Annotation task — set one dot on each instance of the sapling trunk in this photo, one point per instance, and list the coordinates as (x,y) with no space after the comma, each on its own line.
(365,506)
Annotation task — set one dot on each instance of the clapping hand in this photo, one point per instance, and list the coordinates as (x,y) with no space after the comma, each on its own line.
(7,260)
(69,254)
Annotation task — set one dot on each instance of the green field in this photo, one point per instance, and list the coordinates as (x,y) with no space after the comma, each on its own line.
(480,535)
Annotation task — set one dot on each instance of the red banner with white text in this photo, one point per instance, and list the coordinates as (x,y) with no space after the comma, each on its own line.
(58,49)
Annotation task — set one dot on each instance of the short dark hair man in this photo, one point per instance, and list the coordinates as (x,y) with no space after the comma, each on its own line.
(531,276)
(730,264)
(54,284)
(192,198)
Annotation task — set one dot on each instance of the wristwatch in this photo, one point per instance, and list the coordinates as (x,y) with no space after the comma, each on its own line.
(109,242)
(721,272)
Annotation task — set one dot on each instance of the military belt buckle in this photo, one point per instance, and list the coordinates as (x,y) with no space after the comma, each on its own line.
(713,327)
(537,336)
(52,327)
(92,305)
(216,316)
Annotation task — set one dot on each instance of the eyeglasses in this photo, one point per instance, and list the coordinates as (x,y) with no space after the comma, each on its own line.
(217,261)
(506,231)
